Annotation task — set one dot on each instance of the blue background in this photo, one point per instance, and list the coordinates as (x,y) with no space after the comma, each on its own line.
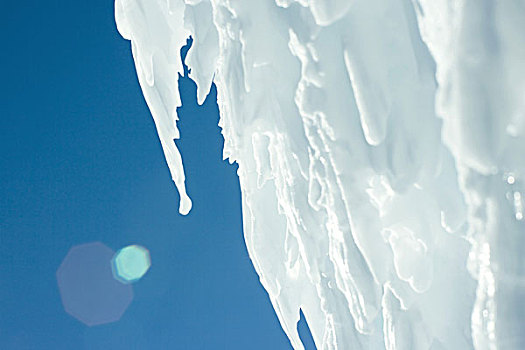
(81,162)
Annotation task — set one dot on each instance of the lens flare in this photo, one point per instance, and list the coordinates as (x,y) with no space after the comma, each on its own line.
(131,263)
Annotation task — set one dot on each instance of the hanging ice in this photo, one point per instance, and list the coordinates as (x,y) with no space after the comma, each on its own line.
(380,146)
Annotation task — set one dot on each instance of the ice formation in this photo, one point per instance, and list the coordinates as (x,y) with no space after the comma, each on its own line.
(380,146)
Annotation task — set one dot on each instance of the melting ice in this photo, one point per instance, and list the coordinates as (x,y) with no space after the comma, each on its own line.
(380,146)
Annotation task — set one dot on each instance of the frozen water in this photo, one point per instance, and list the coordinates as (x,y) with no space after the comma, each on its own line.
(380,149)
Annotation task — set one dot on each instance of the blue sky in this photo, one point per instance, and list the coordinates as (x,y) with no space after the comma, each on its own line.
(81,162)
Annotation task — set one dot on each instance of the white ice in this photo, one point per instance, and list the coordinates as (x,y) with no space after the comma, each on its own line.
(381,158)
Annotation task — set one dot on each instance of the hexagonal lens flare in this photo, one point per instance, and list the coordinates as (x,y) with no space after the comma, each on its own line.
(87,288)
(131,263)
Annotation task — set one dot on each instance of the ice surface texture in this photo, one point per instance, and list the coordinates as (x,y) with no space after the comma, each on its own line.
(381,158)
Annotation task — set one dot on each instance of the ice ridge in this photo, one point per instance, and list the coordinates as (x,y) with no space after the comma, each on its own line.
(380,147)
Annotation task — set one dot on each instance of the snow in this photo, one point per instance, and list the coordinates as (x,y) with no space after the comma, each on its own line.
(380,149)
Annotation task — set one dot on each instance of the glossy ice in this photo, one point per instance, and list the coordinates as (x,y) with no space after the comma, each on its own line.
(380,149)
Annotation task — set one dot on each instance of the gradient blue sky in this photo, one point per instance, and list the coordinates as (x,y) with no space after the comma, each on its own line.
(81,162)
